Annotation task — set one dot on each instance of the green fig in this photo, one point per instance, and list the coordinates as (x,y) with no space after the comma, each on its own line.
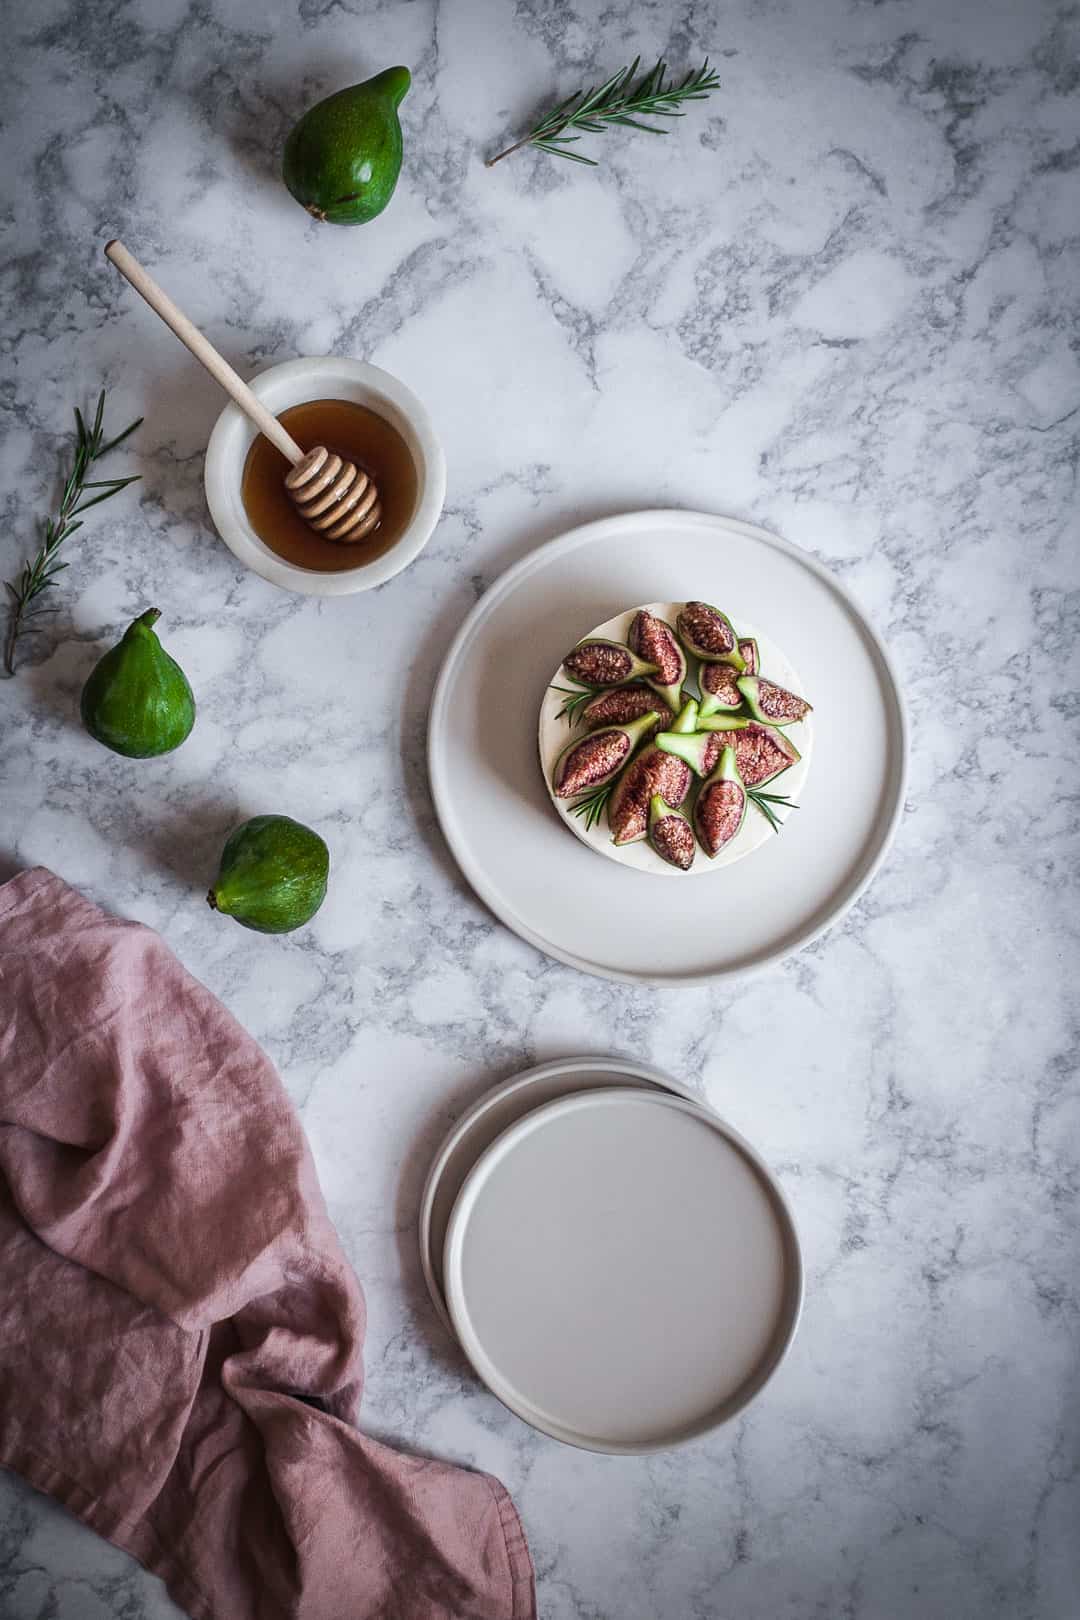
(650,638)
(720,809)
(719,690)
(771,704)
(272,875)
(593,761)
(137,700)
(670,834)
(748,652)
(761,752)
(343,158)
(709,635)
(600,662)
(616,705)
(649,772)
(699,749)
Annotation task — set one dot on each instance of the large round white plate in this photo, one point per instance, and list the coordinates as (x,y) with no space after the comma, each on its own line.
(622,1271)
(603,918)
(554,734)
(488,1117)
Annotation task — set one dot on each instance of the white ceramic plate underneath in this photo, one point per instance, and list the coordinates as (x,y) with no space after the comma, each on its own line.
(603,918)
(554,734)
(488,1117)
(622,1271)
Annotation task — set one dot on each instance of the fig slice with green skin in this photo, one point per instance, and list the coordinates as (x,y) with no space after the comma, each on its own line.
(709,635)
(687,718)
(272,876)
(771,704)
(762,752)
(618,705)
(653,639)
(699,749)
(723,722)
(670,834)
(652,772)
(748,651)
(719,690)
(595,760)
(137,700)
(720,809)
(596,661)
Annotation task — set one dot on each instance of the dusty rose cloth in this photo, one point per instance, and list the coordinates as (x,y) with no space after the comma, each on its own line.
(173,1297)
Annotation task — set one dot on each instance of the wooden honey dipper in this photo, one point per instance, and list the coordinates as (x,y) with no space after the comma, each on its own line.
(337,499)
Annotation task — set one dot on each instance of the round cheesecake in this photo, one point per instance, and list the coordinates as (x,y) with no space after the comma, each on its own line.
(555,733)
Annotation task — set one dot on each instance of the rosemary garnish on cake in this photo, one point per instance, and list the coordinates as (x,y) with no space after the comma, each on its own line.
(767,803)
(574,700)
(592,808)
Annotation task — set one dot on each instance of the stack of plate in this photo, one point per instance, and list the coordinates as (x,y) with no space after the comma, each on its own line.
(619,1266)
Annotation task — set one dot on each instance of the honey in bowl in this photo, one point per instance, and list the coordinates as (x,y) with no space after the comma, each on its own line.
(356,434)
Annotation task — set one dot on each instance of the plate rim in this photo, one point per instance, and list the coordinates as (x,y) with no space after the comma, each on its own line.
(582,534)
(523,1077)
(794,1292)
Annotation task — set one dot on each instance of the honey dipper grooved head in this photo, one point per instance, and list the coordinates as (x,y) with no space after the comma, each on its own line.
(334,497)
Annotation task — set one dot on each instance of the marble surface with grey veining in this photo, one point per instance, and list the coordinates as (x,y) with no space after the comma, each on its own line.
(838,299)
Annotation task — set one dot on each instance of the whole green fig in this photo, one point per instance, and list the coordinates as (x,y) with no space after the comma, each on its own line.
(343,158)
(137,700)
(272,875)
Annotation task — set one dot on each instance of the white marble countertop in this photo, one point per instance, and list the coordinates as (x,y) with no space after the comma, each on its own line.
(839,299)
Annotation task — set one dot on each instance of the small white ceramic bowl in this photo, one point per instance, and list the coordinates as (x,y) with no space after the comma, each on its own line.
(294,383)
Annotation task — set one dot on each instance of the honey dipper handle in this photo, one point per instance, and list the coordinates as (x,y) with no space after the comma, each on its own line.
(203,350)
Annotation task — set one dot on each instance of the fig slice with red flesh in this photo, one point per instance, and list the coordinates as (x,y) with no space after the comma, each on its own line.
(654,640)
(595,760)
(652,772)
(599,662)
(719,690)
(709,635)
(670,834)
(720,809)
(748,652)
(618,705)
(771,704)
(701,749)
(762,752)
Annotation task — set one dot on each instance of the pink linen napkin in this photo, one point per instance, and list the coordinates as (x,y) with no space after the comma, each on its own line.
(180,1333)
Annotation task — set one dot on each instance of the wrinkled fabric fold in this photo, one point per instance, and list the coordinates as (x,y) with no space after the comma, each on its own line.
(181,1332)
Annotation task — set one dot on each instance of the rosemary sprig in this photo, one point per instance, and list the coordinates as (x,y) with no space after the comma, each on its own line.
(574,699)
(617,101)
(593,806)
(766,803)
(40,573)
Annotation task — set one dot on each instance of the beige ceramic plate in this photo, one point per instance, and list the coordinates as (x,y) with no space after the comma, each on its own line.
(622,1271)
(497,1109)
(755,830)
